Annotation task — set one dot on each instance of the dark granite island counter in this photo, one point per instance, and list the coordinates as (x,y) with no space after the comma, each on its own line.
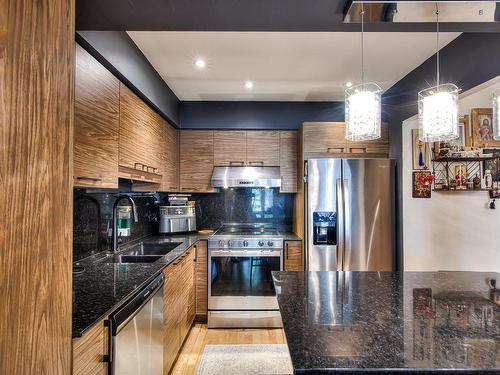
(426,322)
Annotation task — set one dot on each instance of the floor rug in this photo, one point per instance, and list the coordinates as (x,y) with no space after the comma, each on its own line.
(245,359)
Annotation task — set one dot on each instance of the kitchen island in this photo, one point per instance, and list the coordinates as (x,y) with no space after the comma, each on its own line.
(386,322)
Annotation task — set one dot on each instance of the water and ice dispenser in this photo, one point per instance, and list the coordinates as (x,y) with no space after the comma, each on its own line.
(325,228)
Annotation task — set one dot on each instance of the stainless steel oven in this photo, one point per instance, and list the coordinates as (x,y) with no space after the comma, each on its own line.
(240,286)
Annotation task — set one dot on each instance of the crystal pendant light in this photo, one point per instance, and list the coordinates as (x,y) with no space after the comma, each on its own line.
(496,115)
(438,107)
(362,104)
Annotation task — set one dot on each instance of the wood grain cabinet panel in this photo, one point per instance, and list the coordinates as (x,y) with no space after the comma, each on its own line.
(288,161)
(95,160)
(171,311)
(196,160)
(230,147)
(324,138)
(170,163)
(377,146)
(140,135)
(201,279)
(263,148)
(89,351)
(294,256)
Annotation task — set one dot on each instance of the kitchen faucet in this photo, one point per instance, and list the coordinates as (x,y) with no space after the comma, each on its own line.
(114,241)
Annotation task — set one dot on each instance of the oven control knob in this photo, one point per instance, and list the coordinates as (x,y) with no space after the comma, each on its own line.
(245,243)
(229,243)
(261,243)
(270,243)
(221,243)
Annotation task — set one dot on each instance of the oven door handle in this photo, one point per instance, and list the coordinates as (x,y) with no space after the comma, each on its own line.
(244,253)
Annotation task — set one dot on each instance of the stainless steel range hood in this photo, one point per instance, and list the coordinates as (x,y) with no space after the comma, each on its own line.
(226,177)
(422,11)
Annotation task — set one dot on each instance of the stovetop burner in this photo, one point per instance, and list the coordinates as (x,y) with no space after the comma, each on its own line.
(246,230)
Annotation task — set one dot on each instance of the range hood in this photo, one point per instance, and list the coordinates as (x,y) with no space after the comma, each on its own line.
(226,177)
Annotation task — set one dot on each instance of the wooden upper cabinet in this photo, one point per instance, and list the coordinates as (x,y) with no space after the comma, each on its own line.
(96,124)
(140,134)
(263,148)
(324,138)
(170,164)
(288,161)
(377,146)
(230,147)
(196,160)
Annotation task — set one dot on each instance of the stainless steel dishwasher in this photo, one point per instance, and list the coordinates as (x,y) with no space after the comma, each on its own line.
(137,333)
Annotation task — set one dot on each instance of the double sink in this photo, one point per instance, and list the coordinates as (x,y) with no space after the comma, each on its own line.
(143,253)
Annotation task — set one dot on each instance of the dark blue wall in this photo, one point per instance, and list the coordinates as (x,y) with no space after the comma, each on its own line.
(257,115)
(119,54)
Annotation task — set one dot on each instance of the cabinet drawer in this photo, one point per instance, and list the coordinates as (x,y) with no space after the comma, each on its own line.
(89,351)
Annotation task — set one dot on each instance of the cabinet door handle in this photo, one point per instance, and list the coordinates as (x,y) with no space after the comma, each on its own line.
(286,250)
(195,253)
(261,162)
(335,150)
(236,162)
(363,149)
(88,178)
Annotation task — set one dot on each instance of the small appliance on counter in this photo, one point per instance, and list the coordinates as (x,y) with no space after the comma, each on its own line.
(179,217)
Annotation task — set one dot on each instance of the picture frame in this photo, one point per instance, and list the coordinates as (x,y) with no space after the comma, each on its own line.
(493,165)
(421,152)
(482,128)
(420,190)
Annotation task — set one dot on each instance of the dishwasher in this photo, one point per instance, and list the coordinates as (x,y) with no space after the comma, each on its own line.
(136,334)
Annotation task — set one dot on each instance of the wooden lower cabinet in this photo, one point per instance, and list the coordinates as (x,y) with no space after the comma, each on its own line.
(89,351)
(179,306)
(294,256)
(201,279)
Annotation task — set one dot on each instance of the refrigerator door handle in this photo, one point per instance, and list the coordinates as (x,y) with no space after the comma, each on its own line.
(340,225)
(347,231)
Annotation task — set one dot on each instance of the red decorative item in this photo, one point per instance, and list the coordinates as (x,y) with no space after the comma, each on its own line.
(422,183)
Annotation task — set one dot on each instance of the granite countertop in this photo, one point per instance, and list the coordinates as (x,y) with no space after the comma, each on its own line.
(103,286)
(388,322)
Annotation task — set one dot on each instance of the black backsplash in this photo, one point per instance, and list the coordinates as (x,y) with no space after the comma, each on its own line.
(92,219)
(244,206)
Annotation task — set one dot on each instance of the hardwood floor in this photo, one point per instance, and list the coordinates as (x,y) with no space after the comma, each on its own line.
(200,335)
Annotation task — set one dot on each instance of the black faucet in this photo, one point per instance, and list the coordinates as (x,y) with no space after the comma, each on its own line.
(114,240)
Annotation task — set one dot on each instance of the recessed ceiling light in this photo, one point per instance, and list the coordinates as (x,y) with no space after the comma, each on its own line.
(348,84)
(200,63)
(249,84)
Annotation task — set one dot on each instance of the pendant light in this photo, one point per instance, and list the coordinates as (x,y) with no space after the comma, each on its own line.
(438,106)
(496,115)
(362,104)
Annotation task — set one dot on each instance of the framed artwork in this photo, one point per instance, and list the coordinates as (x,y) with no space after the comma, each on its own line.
(421,154)
(422,183)
(482,128)
(493,165)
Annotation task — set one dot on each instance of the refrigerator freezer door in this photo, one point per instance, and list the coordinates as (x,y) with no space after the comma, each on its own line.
(367,186)
(324,222)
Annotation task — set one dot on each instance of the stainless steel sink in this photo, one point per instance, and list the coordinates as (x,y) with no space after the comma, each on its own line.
(151,249)
(132,258)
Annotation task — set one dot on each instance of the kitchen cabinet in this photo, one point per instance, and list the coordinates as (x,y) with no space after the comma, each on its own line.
(96,124)
(294,256)
(196,160)
(324,138)
(201,279)
(179,305)
(90,350)
(327,139)
(288,161)
(230,147)
(376,146)
(170,164)
(263,148)
(140,138)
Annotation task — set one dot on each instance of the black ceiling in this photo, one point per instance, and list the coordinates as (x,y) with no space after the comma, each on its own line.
(235,15)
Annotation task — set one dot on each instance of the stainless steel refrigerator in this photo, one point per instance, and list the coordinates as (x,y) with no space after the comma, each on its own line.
(349,215)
